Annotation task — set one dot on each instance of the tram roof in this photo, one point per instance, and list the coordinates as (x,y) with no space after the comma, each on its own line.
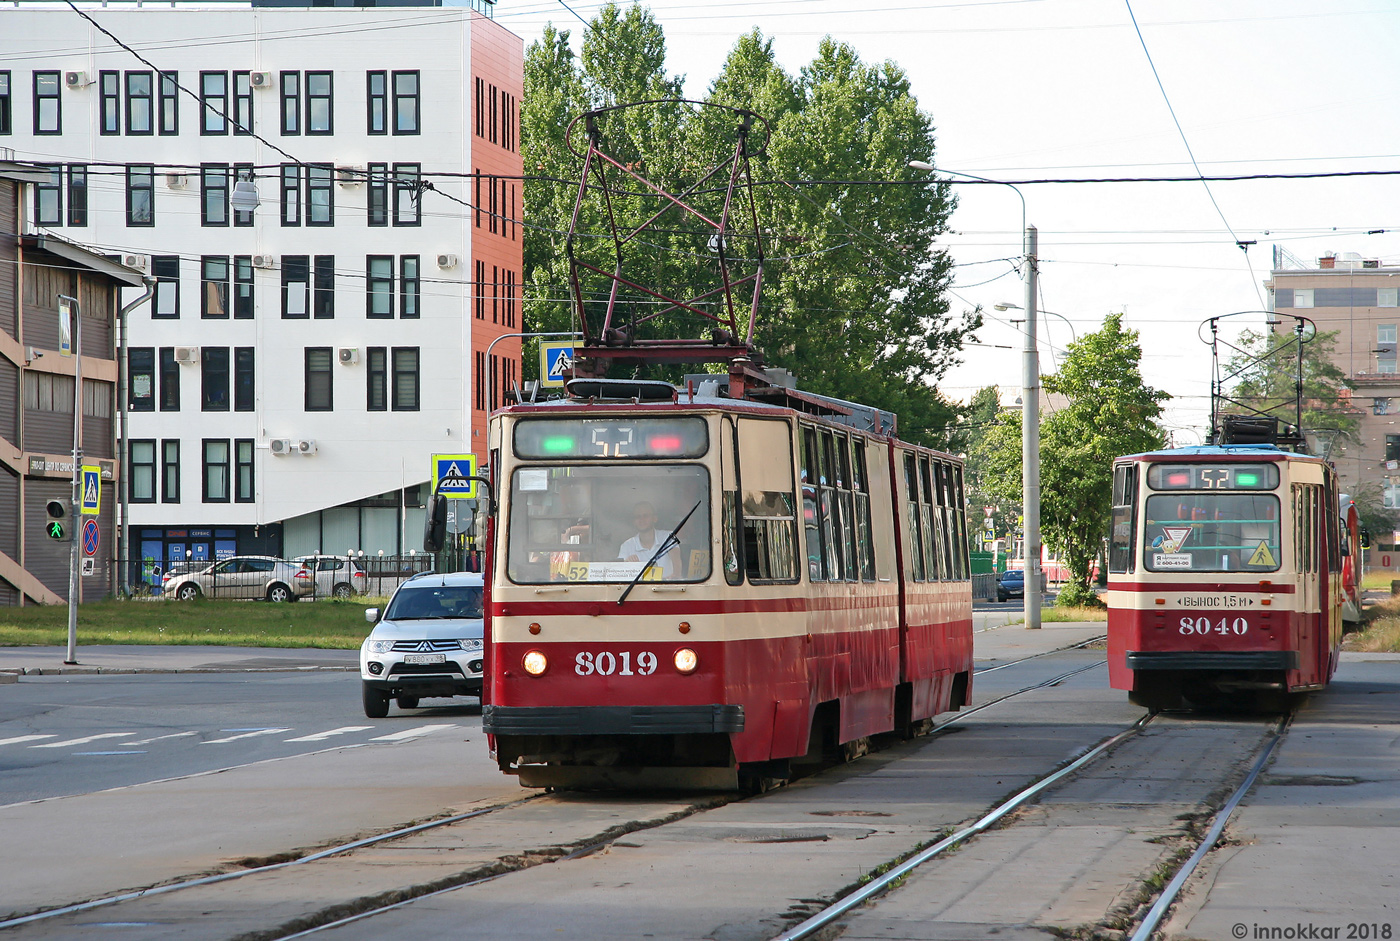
(1267,452)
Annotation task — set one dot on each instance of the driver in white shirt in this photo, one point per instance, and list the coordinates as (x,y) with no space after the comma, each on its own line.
(642,546)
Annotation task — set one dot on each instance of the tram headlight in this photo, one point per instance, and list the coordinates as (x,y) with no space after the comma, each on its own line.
(534,662)
(686,660)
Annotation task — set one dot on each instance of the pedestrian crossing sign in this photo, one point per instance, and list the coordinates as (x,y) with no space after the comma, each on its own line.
(92,490)
(556,360)
(452,475)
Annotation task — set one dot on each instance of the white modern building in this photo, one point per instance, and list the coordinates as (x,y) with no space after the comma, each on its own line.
(299,363)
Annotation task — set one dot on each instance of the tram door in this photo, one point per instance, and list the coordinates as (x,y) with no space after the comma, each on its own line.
(1308,561)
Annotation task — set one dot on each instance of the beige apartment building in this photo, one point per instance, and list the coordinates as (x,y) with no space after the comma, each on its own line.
(1359,298)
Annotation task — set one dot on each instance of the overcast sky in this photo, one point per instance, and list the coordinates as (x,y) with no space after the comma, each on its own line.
(1028,89)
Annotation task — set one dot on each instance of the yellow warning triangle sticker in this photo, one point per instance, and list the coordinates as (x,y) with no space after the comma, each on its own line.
(1262,556)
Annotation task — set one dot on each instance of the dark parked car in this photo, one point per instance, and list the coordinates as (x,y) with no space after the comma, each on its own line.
(1012,584)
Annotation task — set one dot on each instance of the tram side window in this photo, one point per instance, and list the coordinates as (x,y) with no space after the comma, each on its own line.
(933,543)
(811,506)
(729,497)
(1120,547)
(831,527)
(948,514)
(955,477)
(846,501)
(1305,528)
(769,519)
(916,529)
(862,494)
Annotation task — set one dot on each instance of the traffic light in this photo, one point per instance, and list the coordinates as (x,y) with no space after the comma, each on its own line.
(435,524)
(56,512)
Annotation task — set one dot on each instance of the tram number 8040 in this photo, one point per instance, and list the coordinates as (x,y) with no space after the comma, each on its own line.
(1205,626)
(605,663)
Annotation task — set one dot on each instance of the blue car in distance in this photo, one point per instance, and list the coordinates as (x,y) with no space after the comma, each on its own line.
(1011,584)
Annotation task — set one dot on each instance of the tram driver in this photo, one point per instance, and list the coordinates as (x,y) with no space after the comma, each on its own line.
(642,546)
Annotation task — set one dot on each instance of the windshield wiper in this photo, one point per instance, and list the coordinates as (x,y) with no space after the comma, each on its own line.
(667,544)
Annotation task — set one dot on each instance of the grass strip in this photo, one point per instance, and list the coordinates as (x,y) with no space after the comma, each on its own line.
(338,625)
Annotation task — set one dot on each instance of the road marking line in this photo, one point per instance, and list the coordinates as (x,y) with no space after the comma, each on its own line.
(322,736)
(147,741)
(84,740)
(109,753)
(22,738)
(253,734)
(411,733)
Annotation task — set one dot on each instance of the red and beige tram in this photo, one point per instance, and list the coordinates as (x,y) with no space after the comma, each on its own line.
(701,591)
(1225,576)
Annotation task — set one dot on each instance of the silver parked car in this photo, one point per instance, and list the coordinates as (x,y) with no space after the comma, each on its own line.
(248,576)
(337,576)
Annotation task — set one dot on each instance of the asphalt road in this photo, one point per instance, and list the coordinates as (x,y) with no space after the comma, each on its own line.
(66,735)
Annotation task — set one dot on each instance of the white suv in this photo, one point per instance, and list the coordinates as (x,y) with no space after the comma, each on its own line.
(427,643)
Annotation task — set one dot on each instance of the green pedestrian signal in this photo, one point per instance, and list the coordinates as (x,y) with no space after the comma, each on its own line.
(55,529)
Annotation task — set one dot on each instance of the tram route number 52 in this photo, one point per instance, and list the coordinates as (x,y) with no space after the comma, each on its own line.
(1204,626)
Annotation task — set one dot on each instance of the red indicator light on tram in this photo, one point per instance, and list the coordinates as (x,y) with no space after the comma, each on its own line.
(664,444)
(1179,479)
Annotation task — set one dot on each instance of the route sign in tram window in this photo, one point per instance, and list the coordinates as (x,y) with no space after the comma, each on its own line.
(1212,476)
(1208,532)
(600,438)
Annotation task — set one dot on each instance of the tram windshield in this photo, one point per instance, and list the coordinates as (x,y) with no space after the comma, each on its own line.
(1209,532)
(605,522)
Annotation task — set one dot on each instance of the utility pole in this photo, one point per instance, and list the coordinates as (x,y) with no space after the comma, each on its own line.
(1030,443)
(70,310)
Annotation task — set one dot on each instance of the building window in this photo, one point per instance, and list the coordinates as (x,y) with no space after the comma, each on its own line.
(97,398)
(169,101)
(140,97)
(1385,334)
(170,471)
(213,103)
(405,378)
(324,299)
(1303,297)
(377,93)
(166,303)
(109,98)
(510,298)
(1392,447)
(1387,297)
(406,111)
(243,287)
(319,393)
(377,370)
(1385,348)
(296,285)
(214,294)
(6,107)
(320,197)
(243,171)
(77,194)
(141,378)
(140,195)
(291,194)
(291,103)
(378,200)
(243,470)
(479,381)
(46,392)
(142,485)
(213,193)
(215,378)
(407,196)
(479,290)
(320,107)
(243,361)
(242,103)
(48,198)
(480,110)
(169,380)
(48,105)
(215,470)
(408,287)
(379,286)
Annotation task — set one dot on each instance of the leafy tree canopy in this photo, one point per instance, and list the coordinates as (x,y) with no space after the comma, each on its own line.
(1266,382)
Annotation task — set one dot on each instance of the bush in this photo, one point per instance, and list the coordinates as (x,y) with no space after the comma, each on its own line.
(1077,595)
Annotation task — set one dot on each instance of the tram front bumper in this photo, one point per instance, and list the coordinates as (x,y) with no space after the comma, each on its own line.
(1212,660)
(612,720)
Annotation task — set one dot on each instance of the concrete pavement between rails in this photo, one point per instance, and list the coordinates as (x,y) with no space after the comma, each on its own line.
(1313,849)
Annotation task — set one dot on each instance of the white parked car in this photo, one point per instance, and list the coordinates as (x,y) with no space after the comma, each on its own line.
(337,576)
(426,643)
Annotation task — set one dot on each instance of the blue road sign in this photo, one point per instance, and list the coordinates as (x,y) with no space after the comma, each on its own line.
(91,537)
(452,475)
(92,490)
(556,359)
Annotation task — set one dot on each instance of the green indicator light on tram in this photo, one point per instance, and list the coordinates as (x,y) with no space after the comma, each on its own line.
(558,445)
(1246,480)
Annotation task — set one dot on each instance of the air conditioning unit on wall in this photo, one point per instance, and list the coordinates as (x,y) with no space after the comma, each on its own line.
(76,80)
(447,261)
(306,446)
(280,445)
(139,262)
(260,79)
(350,176)
(176,181)
(348,355)
(187,354)
(264,261)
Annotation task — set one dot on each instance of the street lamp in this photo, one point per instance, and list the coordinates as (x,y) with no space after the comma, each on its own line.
(1030,412)
(244,197)
(1007,305)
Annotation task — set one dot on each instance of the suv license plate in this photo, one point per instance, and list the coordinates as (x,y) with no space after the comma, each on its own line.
(425,658)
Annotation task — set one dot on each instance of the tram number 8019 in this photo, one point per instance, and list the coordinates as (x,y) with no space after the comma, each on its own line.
(605,663)
(1224,626)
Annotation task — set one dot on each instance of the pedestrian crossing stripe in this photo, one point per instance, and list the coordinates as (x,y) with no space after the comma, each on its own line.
(452,475)
(1262,556)
(92,490)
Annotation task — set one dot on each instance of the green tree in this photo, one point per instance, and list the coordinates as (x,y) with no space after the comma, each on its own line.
(854,299)
(1110,412)
(1267,383)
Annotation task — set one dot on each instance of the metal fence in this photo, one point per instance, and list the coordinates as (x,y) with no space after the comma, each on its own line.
(319,578)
